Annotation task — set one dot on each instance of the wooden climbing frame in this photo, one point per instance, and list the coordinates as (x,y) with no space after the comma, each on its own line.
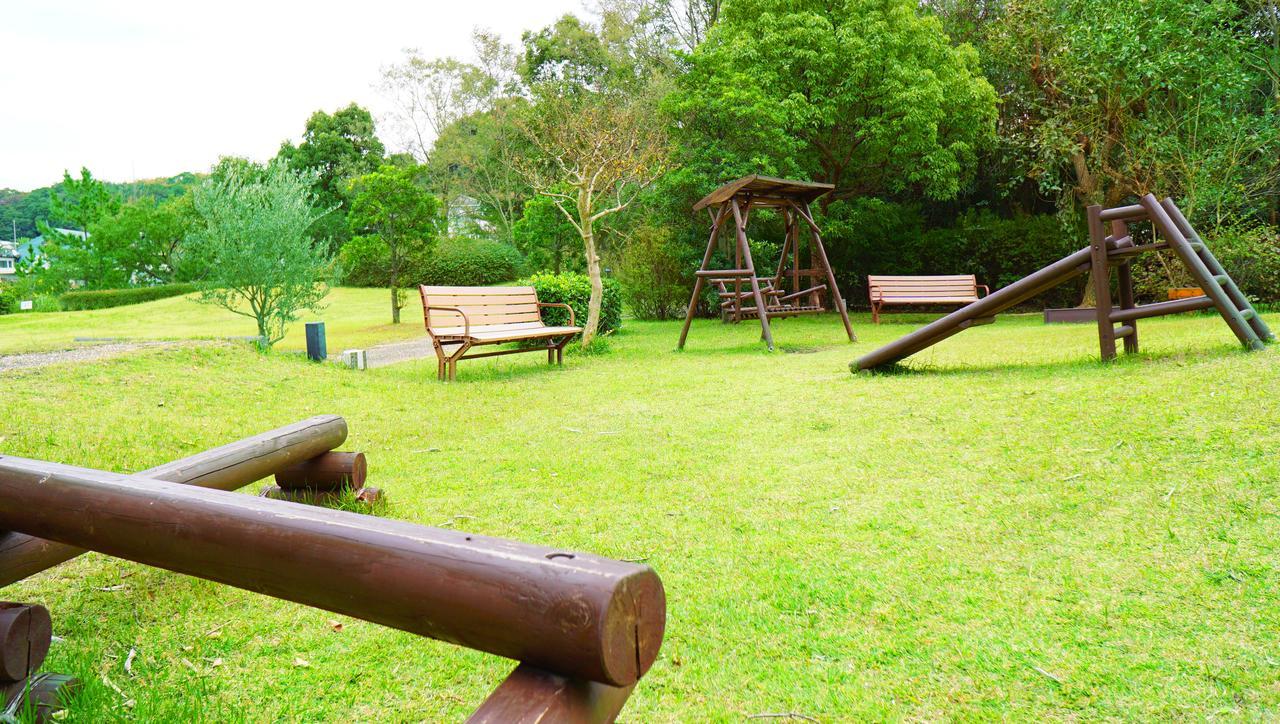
(1111,248)
(801,284)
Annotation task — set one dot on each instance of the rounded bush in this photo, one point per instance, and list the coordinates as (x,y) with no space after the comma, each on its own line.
(575,290)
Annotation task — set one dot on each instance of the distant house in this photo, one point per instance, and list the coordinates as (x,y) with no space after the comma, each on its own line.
(8,259)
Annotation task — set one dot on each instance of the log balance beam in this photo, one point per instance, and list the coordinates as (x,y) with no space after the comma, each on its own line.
(584,628)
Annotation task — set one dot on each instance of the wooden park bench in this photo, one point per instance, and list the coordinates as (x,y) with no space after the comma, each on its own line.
(460,318)
(958,289)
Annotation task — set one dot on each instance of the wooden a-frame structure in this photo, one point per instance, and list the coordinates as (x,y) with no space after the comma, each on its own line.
(784,294)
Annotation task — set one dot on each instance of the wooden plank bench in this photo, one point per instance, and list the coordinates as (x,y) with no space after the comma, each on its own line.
(461,318)
(957,289)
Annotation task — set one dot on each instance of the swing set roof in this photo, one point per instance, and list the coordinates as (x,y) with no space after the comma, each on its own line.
(766,191)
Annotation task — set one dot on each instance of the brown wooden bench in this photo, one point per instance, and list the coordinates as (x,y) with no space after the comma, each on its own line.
(460,318)
(958,289)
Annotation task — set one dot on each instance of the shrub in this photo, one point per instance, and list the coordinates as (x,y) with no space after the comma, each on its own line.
(575,290)
(469,262)
(651,273)
(8,301)
(104,298)
(46,303)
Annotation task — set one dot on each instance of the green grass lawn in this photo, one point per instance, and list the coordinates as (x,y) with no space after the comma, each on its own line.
(353,318)
(1013,531)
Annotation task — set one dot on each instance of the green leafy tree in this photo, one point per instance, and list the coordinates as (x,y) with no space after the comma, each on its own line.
(1166,99)
(254,244)
(80,258)
(546,238)
(477,158)
(869,95)
(392,212)
(337,147)
(146,239)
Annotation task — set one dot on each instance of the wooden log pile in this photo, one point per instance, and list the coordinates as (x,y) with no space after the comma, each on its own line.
(584,628)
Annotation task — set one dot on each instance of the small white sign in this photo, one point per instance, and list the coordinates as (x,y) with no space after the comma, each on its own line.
(27,305)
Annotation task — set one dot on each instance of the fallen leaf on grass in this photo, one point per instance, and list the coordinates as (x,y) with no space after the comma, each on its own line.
(117,587)
(128,661)
(301,663)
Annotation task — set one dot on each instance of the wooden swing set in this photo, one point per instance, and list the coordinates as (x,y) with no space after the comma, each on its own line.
(803,282)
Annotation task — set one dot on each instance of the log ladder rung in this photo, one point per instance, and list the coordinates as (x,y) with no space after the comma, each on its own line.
(1124,331)
(1159,309)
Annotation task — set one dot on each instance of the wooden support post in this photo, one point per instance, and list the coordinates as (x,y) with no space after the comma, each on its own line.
(1101,283)
(821,251)
(224,468)
(745,248)
(717,219)
(1124,278)
(533,696)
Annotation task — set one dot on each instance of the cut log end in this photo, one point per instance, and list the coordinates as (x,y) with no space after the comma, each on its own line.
(330,471)
(634,627)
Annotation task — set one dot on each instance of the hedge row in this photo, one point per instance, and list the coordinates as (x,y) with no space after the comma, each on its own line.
(105,298)
(459,262)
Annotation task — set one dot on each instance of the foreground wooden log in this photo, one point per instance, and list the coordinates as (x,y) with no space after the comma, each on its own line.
(579,615)
(225,468)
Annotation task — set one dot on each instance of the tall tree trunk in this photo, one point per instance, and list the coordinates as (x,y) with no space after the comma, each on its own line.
(395,300)
(593,271)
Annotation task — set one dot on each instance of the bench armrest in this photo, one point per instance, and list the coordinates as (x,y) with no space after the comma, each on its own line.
(572,321)
(466,323)
(986,290)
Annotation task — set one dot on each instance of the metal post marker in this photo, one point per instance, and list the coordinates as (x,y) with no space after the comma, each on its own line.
(316,351)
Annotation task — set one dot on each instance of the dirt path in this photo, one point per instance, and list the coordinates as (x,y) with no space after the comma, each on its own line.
(87,353)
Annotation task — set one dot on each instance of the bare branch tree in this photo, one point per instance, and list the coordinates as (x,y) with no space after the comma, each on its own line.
(598,151)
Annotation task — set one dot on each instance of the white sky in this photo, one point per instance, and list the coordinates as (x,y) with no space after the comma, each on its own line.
(151,88)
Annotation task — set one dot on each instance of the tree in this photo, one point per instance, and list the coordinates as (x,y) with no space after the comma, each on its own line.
(391,210)
(598,150)
(1167,100)
(254,244)
(337,147)
(868,95)
(477,157)
(429,97)
(145,240)
(690,20)
(545,236)
(80,257)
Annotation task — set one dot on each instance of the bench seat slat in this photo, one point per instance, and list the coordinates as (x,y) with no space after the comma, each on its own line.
(505,332)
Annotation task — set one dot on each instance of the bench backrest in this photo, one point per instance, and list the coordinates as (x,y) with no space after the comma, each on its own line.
(923,287)
(484,306)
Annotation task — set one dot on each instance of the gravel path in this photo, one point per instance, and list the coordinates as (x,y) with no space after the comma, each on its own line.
(389,354)
(87,353)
